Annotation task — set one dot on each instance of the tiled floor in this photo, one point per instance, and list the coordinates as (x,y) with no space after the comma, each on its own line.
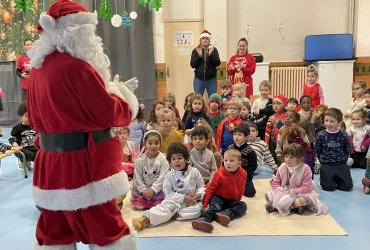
(18,217)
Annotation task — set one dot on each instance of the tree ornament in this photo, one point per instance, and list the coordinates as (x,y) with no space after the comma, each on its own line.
(133,15)
(28,28)
(104,10)
(126,20)
(143,2)
(116,20)
(36,4)
(7,16)
(156,4)
(2,36)
(24,5)
(12,6)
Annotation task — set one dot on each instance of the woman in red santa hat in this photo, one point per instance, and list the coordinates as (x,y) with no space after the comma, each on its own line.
(72,105)
(204,60)
(242,66)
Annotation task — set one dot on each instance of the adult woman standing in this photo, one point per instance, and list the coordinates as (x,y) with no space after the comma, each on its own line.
(204,60)
(242,66)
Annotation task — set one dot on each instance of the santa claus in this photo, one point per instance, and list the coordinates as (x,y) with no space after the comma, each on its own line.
(72,105)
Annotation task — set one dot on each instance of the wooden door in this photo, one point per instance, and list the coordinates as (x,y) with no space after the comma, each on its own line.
(180,75)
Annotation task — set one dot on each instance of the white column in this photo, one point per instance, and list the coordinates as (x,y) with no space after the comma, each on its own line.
(335,78)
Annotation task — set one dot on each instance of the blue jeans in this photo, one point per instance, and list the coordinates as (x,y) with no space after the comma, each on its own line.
(200,85)
(232,208)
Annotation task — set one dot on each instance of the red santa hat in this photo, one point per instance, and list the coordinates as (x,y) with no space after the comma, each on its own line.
(281,98)
(58,16)
(205,33)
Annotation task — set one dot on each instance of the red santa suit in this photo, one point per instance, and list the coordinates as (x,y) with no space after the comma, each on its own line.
(244,68)
(76,187)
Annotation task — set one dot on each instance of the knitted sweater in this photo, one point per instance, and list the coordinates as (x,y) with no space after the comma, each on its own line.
(332,148)
(248,158)
(150,176)
(204,161)
(263,153)
(168,139)
(299,182)
(226,184)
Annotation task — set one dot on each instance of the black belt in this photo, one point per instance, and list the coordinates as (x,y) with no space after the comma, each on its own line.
(72,141)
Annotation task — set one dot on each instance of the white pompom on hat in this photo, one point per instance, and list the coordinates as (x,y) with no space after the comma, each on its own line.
(205,33)
(49,22)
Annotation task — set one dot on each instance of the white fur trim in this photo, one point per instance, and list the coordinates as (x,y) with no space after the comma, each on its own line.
(91,194)
(125,242)
(75,19)
(125,94)
(205,35)
(54,247)
(47,23)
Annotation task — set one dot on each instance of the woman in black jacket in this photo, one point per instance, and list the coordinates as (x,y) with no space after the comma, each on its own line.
(204,60)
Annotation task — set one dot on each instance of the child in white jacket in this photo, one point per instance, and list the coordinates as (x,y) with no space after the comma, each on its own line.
(183,189)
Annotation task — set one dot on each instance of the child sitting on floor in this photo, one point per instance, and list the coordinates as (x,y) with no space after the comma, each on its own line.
(223,194)
(151,168)
(183,188)
(292,187)
(128,147)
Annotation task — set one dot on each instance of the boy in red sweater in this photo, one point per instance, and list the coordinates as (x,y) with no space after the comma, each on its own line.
(223,194)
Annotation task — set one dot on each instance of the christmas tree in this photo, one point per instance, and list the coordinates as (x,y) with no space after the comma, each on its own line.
(17,23)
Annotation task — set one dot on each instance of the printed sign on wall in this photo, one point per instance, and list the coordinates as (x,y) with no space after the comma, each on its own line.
(183,38)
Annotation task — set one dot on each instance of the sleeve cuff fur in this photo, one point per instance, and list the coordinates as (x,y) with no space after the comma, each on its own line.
(125,94)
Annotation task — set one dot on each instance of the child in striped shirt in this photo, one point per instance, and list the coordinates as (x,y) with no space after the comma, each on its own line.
(260,147)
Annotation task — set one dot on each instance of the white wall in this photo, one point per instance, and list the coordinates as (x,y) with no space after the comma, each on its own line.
(298,18)
(362,43)
(183,9)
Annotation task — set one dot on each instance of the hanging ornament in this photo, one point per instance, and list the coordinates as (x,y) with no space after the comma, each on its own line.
(12,6)
(24,5)
(116,20)
(7,16)
(152,4)
(2,36)
(156,4)
(133,15)
(1,6)
(36,4)
(29,28)
(143,2)
(104,10)
(126,20)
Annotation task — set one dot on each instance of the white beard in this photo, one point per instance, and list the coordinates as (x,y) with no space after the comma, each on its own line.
(79,41)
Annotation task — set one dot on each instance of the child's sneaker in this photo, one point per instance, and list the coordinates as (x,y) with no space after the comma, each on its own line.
(140,223)
(300,210)
(222,219)
(202,224)
(269,208)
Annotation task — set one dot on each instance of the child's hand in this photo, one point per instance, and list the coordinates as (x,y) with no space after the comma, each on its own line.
(148,194)
(272,119)
(191,199)
(231,66)
(9,152)
(256,112)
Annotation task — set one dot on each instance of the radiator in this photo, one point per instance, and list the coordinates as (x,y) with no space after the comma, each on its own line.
(288,81)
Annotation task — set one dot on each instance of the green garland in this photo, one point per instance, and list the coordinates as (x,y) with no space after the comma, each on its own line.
(104,10)
(152,4)
(24,5)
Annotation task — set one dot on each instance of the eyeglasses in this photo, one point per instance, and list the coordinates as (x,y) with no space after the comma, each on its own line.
(122,134)
(356,89)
